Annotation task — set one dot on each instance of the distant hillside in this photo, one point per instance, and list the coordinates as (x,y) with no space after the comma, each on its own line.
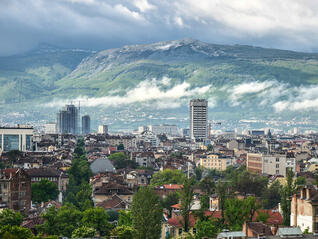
(33,74)
(50,73)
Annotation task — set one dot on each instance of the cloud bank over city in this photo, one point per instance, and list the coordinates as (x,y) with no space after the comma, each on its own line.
(98,24)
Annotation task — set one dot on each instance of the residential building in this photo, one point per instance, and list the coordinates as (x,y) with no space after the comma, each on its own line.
(67,120)
(216,161)
(16,138)
(50,128)
(304,209)
(102,129)
(254,163)
(149,137)
(274,164)
(171,130)
(86,124)
(60,178)
(15,189)
(199,120)
(128,141)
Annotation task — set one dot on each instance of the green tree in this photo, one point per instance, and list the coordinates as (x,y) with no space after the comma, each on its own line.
(206,229)
(272,196)
(186,200)
(124,232)
(120,161)
(288,190)
(9,217)
(60,222)
(204,206)
(198,171)
(168,176)
(125,218)
(15,232)
(300,181)
(84,232)
(97,218)
(170,200)
(262,217)
(221,190)
(207,185)
(44,191)
(146,214)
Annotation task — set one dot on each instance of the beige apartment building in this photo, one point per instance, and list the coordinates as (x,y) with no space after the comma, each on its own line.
(254,163)
(216,161)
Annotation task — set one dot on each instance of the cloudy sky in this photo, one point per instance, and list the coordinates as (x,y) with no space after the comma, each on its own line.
(102,24)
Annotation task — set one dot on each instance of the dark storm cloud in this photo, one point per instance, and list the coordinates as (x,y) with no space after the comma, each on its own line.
(100,24)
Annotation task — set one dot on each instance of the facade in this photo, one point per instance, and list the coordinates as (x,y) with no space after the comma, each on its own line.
(274,164)
(50,128)
(102,129)
(199,120)
(60,178)
(15,189)
(149,137)
(86,124)
(215,161)
(67,120)
(171,130)
(128,141)
(304,210)
(16,138)
(254,163)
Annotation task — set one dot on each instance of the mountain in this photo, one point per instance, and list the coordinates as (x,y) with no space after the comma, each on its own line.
(33,74)
(163,76)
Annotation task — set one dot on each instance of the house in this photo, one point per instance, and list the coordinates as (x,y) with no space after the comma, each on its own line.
(231,235)
(15,189)
(60,178)
(304,209)
(258,230)
(164,190)
(144,159)
(114,203)
(108,190)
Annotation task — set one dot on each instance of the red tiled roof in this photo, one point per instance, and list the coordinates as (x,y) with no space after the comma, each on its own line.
(9,171)
(177,221)
(274,217)
(172,186)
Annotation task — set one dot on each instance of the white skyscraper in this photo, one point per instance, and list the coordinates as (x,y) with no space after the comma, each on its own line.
(199,120)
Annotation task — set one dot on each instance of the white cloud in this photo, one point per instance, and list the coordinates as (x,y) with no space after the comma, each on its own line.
(143,5)
(145,91)
(302,98)
(287,24)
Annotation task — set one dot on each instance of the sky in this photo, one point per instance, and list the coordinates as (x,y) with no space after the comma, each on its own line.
(103,24)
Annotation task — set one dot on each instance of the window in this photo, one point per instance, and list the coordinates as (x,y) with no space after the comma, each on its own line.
(277,171)
(316,226)
(180,231)
(277,159)
(316,211)
(277,165)
(11,142)
(194,230)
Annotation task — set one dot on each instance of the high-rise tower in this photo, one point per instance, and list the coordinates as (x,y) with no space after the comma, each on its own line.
(67,120)
(199,120)
(86,124)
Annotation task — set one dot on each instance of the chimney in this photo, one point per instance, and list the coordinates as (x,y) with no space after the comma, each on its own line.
(307,193)
(302,196)
(294,209)
(274,229)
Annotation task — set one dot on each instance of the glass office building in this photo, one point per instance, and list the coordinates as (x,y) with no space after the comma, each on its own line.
(16,138)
